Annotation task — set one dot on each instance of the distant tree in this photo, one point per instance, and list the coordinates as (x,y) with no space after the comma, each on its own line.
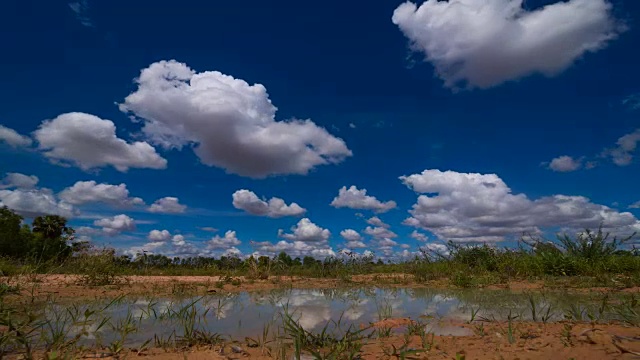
(13,237)
(285,259)
(297,262)
(309,261)
(52,237)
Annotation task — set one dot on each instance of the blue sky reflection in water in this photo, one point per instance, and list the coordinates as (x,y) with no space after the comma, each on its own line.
(249,127)
(245,314)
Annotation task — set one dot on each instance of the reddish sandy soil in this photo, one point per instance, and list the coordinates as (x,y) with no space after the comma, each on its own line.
(532,341)
(69,286)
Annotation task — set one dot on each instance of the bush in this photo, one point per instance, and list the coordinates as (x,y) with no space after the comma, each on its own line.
(98,267)
(590,245)
(475,257)
(8,267)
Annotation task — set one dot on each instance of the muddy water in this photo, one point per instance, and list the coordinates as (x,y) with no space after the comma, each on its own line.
(243,315)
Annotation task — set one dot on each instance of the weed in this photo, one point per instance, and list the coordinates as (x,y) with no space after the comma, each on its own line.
(98,267)
(566,334)
(462,279)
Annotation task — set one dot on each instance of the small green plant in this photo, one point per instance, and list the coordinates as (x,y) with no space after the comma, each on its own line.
(332,342)
(6,289)
(261,341)
(511,327)
(402,352)
(566,334)
(474,313)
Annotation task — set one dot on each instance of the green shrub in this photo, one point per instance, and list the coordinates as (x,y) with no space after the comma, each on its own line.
(8,267)
(98,267)
(591,245)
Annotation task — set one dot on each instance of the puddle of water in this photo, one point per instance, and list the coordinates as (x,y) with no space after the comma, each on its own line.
(246,314)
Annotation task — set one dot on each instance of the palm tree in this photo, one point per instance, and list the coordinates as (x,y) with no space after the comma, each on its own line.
(52,237)
(51,226)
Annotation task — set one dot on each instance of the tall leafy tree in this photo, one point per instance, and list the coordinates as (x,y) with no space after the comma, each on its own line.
(51,238)
(13,238)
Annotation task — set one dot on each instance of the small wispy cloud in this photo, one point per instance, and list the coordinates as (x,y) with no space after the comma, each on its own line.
(632,101)
(81,10)
(622,154)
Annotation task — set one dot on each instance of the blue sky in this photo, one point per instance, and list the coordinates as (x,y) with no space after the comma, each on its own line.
(467,120)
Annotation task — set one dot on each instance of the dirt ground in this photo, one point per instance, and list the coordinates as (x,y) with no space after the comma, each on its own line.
(531,341)
(70,287)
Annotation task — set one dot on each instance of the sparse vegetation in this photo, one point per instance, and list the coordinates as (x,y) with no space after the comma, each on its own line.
(35,326)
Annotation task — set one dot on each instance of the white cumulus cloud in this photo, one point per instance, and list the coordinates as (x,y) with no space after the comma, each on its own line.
(306,239)
(248,201)
(295,248)
(230,123)
(482,43)
(167,205)
(86,192)
(13,138)
(354,198)
(35,202)
(350,235)
(159,236)
(19,181)
(116,224)
(470,207)
(565,164)
(419,236)
(380,232)
(354,239)
(622,154)
(224,242)
(376,221)
(306,231)
(87,141)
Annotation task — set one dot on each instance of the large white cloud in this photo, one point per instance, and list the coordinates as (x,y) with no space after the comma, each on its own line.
(224,242)
(13,138)
(471,207)
(167,205)
(248,201)
(354,198)
(482,43)
(86,192)
(116,224)
(19,181)
(230,123)
(35,202)
(87,141)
